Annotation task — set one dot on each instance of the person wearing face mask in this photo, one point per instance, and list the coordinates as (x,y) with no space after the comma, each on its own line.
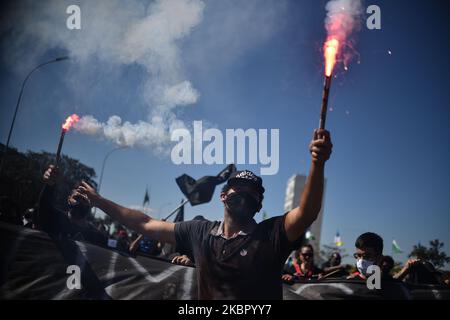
(369,251)
(236,258)
(72,224)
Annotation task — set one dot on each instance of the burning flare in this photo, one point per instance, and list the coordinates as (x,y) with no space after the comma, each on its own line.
(65,127)
(343,17)
(330,50)
(70,121)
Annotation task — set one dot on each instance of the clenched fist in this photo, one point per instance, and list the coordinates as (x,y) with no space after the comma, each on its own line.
(88,193)
(320,146)
(50,175)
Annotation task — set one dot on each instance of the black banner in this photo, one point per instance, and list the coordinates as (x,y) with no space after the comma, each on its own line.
(34,266)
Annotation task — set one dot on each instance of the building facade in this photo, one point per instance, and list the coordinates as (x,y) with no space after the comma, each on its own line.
(294,190)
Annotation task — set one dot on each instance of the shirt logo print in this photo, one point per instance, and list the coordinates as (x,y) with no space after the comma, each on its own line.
(243,252)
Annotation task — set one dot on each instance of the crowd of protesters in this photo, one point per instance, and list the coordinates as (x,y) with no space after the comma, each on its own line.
(368,252)
(216,247)
(77,223)
(299,267)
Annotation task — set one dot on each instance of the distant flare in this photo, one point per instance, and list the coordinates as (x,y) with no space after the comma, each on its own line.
(70,120)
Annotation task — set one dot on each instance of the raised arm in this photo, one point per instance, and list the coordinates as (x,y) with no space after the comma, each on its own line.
(301,217)
(48,218)
(134,219)
(401,275)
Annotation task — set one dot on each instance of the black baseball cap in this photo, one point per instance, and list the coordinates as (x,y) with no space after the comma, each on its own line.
(246,178)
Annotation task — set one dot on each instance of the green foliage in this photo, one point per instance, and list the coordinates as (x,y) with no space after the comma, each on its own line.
(21,176)
(433,254)
(327,250)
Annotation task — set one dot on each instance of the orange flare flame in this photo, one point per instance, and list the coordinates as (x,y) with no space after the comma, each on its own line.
(70,121)
(330,49)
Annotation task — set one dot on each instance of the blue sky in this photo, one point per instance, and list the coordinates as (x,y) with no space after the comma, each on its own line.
(258,65)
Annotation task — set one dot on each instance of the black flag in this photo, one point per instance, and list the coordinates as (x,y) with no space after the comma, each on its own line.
(201,190)
(146,198)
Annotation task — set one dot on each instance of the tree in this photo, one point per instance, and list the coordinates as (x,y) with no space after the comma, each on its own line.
(21,177)
(327,250)
(432,254)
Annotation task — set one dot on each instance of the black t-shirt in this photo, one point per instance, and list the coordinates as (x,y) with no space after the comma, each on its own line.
(243,267)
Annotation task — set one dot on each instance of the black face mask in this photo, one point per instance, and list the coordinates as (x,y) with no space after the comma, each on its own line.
(241,205)
(78,210)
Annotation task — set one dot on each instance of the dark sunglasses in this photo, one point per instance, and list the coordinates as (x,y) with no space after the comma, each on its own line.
(359,256)
(307,254)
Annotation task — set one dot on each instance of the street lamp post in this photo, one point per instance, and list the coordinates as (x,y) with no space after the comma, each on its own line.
(103,169)
(18,103)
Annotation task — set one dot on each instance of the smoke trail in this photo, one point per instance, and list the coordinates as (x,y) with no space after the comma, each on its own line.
(154,133)
(343,17)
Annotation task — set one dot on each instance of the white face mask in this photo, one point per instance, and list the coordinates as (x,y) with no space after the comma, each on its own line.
(362,265)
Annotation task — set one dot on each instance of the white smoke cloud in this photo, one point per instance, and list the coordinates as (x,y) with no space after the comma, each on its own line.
(149,34)
(180,94)
(120,33)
